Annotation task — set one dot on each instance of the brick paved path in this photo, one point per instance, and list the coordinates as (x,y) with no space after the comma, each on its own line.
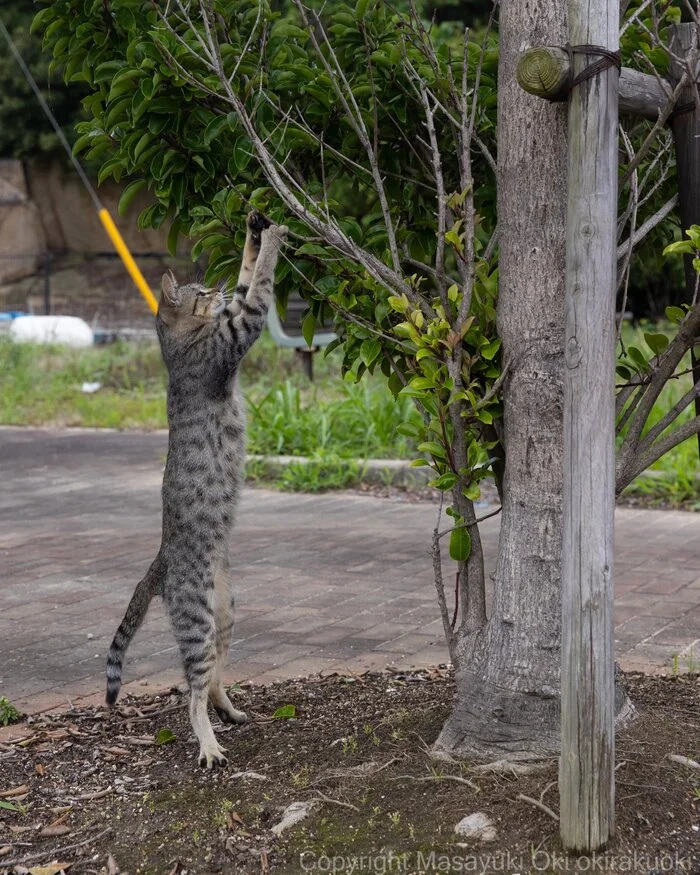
(324,582)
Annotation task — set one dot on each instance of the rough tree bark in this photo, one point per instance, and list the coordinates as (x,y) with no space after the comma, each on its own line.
(507,703)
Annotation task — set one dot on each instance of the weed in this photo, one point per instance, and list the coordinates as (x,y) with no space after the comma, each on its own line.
(8,712)
(349,744)
(302,778)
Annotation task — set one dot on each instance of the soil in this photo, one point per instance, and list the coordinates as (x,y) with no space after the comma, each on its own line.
(91,789)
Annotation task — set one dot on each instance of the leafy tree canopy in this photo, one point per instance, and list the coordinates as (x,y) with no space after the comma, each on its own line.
(24,130)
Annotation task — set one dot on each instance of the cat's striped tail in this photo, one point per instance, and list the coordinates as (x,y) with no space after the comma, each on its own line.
(140,600)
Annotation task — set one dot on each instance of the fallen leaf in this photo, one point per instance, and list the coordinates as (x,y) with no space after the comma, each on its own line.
(51,869)
(264,865)
(117,751)
(5,849)
(50,831)
(39,769)
(61,809)
(15,791)
(18,830)
(285,712)
(164,736)
(89,797)
(143,741)
(59,820)
(232,818)
(112,866)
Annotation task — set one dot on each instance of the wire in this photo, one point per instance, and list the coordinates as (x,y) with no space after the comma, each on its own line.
(103,213)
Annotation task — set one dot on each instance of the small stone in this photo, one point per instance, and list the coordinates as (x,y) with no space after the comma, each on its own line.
(476,826)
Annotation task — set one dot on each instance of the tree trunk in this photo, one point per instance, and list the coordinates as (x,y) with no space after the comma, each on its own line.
(507,702)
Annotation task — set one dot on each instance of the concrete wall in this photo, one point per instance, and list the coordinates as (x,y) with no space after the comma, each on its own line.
(45,209)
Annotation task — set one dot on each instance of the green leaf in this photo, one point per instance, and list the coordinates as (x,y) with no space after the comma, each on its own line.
(460,544)
(285,712)
(675,314)
(165,736)
(361,8)
(408,429)
(472,492)
(682,246)
(638,358)
(369,350)
(434,448)
(128,195)
(656,342)
(421,383)
(308,326)
(444,481)
(419,463)
(490,350)
(173,235)
(8,806)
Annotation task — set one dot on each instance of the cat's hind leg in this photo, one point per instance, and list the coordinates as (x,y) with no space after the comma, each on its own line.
(224,630)
(192,616)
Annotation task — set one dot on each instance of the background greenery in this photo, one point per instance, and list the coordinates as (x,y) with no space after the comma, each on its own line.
(331,421)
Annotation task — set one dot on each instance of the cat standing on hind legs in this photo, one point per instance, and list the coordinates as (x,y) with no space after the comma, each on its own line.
(203,342)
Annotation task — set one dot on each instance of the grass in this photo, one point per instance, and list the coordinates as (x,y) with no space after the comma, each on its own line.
(330,421)
(329,418)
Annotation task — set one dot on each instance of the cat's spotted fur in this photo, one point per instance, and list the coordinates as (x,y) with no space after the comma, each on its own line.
(202,343)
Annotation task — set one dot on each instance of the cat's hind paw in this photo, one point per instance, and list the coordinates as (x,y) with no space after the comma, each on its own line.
(231,715)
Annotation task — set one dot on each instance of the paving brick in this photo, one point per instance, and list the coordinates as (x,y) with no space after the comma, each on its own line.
(338,582)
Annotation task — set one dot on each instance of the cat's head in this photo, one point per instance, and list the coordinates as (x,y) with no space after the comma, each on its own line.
(186,308)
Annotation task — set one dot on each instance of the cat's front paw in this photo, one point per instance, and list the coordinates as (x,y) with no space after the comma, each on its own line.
(257,222)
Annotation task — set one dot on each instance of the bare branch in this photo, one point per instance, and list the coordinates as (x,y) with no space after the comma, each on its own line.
(648,226)
(669,418)
(644,460)
(441,201)
(439,582)
(354,116)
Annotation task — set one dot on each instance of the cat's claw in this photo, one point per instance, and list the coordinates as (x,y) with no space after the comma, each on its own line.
(216,756)
(257,222)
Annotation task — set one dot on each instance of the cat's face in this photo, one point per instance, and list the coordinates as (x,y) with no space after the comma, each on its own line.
(188,307)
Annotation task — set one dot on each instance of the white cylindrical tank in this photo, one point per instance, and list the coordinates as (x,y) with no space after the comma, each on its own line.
(67,330)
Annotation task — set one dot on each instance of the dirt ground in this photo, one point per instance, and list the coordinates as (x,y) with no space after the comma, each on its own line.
(92,791)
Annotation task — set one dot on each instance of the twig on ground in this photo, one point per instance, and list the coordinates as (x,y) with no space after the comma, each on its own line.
(456,778)
(321,797)
(547,810)
(56,852)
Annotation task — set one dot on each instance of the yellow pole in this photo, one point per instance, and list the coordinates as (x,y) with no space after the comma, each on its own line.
(129,262)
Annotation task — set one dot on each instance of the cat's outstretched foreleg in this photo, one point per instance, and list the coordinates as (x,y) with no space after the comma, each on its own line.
(255,225)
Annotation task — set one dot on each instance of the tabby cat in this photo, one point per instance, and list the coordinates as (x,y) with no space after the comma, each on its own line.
(202,342)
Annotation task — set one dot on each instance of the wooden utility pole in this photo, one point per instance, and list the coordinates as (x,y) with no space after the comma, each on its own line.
(587,764)
(685,125)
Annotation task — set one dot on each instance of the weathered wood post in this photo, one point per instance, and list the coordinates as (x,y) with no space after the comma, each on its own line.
(587,763)
(685,125)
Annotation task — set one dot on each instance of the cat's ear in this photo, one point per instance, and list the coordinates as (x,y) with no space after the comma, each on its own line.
(171,293)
